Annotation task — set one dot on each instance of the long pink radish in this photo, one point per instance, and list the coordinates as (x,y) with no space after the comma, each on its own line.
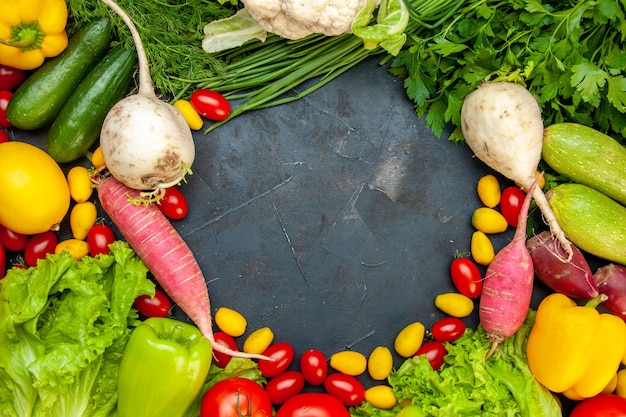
(508,285)
(164,252)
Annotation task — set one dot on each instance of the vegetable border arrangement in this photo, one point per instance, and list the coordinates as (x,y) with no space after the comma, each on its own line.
(535,90)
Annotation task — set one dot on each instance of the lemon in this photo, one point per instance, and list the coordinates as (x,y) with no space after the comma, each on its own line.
(34,195)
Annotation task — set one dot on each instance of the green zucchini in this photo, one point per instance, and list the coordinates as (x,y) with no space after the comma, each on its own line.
(77,127)
(591,220)
(39,99)
(588,157)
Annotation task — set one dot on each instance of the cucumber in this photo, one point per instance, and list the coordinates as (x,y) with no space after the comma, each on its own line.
(591,220)
(78,124)
(39,99)
(588,157)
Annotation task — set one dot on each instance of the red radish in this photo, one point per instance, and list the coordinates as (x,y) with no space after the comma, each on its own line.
(611,281)
(164,252)
(573,277)
(508,285)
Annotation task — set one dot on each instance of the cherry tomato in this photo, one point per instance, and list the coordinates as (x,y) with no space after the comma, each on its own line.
(3,261)
(311,404)
(349,390)
(236,397)
(511,204)
(99,238)
(282,353)
(39,246)
(222,359)
(13,241)
(435,352)
(210,104)
(448,329)
(5,97)
(174,204)
(602,405)
(11,78)
(157,306)
(4,137)
(284,386)
(466,277)
(314,366)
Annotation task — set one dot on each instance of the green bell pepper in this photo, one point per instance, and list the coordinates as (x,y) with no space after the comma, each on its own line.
(163,368)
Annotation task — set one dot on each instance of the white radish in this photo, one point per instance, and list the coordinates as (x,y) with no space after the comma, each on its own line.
(502,124)
(146,143)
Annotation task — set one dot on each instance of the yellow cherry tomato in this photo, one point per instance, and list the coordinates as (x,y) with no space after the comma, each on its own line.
(381,396)
(489,220)
(349,362)
(455,304)
(82,218)
(488,189)
(75,247)
(230,321)
(380,363)
(409,340)
(620,386)
(542,180)
(79,182)
(193,118)
(481,248)
(97,158)
(258,341)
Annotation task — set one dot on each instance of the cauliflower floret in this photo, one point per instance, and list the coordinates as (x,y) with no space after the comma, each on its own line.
(295,19)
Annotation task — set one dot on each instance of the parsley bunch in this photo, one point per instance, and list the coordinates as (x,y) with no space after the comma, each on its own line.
(569,54)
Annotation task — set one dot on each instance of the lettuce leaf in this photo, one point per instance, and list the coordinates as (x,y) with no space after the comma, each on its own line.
(468,385)
(63,329)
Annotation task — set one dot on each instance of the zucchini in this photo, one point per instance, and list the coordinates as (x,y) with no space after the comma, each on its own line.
(39,99)
(588,157)
(591,220)
(78,124)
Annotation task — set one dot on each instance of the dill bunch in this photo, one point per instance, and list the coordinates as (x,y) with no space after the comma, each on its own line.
(171,31)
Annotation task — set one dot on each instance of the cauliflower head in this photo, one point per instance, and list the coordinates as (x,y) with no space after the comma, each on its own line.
(295,19)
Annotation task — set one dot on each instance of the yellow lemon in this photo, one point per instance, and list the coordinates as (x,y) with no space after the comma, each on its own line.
(34,195)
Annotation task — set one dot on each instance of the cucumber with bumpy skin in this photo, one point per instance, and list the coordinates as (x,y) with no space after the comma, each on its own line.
(591,220)
(38,100)
(77,126)
(588,157)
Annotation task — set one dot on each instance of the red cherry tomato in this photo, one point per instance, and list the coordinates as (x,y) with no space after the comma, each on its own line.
(4,137)
(511,204)
(466,277)
(39,246)
(435,352)
(157,306)
(221,359)
(174,204)
(349,390)
(448,329)
(210,104)
(602,405)
(314,366)
(3,261)
(282,353)
(99,238)
(284,386)
(5,97)
(312,404)
(236,397)
(13,241)
(11,78)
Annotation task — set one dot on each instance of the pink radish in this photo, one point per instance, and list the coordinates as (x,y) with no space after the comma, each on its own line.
(611,281)
(573,277)
(508,285)
(502,125)
(164,252)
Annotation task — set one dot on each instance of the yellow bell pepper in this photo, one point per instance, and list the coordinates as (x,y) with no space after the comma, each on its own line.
(30,31)
(575,350)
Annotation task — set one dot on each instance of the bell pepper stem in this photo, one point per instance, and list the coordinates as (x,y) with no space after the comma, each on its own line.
(596,301)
